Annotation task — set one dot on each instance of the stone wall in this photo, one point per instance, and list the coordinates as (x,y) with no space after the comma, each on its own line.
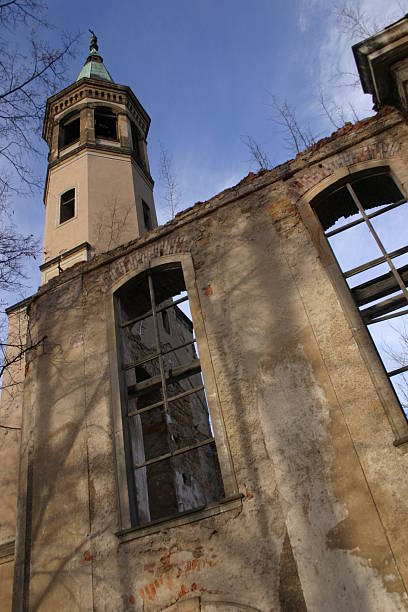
(320,518)
(10,429)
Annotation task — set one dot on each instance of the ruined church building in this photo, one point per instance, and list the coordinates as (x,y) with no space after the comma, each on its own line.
(203,421)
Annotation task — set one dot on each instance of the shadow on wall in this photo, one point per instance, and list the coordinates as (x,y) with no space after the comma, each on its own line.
(281,416)
(58,416)
(292,451)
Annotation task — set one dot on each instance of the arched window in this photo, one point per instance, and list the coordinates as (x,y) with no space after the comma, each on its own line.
(365,218)
(105,123)
(69,130)
(171,456)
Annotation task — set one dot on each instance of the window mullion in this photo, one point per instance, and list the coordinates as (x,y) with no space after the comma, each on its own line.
(170,399)
(378,241)
(129,366)
(179,451)
(157,339)
(147,314)
(393,315)
(374,262)
(398,371)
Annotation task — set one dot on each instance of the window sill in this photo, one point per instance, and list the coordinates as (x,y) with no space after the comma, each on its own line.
(67,221)
(69,144)
(7,552)
(107,139)
(229,503)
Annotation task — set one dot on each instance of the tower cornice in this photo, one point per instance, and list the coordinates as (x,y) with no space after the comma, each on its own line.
(100,91)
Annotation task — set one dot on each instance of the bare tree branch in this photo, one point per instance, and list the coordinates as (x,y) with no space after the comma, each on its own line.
(112,223)
(297,137)
(354,22)
(336,115)
(257,155)
(399,355)
(169,181)
(30,71)
(356,25)
(22,349)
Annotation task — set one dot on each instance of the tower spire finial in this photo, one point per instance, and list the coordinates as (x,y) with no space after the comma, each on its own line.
(93,67)
(93,44)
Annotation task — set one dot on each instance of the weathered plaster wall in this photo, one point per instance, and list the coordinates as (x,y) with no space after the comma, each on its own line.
(323,520)
(10,429)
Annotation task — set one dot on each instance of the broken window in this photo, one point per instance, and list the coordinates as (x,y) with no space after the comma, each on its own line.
(364,219)
(67,206)
(171,454)
(147,218)
(105,123)
(69,130)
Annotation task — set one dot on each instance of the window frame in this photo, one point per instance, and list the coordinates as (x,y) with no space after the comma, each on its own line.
(368,349)
(136,137)
(69,118)
(59,222)
(146,212)
(119,397)
(111,113)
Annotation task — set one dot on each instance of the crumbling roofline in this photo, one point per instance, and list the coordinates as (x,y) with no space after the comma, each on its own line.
(250,184)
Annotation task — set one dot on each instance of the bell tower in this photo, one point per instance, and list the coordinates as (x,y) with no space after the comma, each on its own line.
(98,192)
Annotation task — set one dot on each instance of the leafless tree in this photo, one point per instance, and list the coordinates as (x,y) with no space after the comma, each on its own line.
(357,24)
(336,115)
(15,249)
(30,71)
(169,181)
(13,352)
(354,22)
(257,155)
(297,136)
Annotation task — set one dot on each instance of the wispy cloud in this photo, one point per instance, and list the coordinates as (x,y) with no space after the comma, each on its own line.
(338,74)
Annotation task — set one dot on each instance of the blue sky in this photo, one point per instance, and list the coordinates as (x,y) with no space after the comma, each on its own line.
(203,71)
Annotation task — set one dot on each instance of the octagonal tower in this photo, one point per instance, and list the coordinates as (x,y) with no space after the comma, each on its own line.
(98,192)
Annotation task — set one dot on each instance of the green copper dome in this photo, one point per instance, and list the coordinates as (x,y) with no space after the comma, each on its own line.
(94,67)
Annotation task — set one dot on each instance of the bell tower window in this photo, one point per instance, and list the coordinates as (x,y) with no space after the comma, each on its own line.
(67,206)
(69,130)
(105,124)
(135,140)
(147,217)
